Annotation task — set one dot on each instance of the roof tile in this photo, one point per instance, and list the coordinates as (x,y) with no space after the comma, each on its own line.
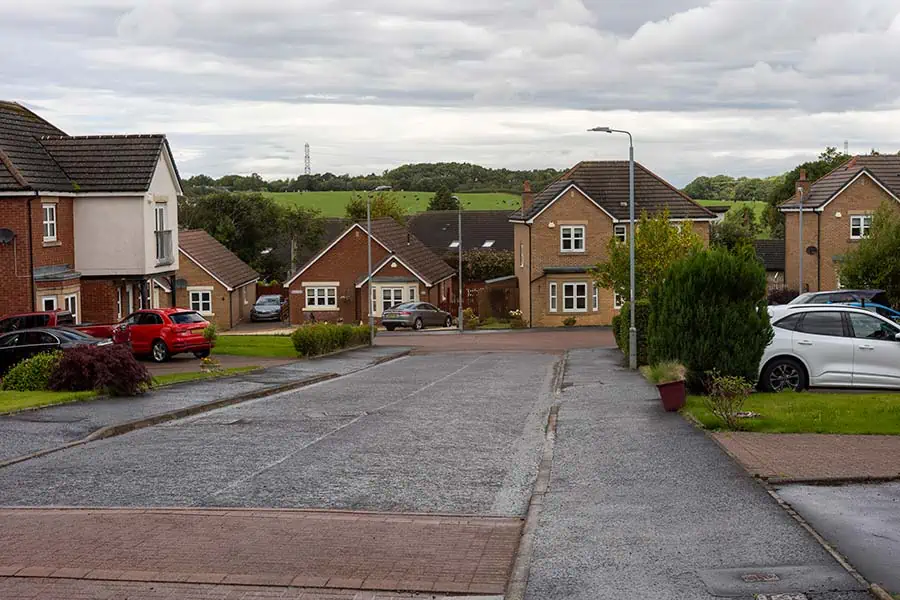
(885,169)
(437,229)
(215,258)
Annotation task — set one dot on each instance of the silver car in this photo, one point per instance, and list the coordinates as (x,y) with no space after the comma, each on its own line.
(416,315)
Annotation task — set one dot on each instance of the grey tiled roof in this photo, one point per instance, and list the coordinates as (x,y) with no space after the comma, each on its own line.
(606,182)
(216,258)
(437,229)
(36,156)
(410,250)
(885,169)
(771,253)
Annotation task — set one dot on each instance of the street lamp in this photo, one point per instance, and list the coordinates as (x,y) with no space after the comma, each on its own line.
(459,308)
(632,331)
(371,289)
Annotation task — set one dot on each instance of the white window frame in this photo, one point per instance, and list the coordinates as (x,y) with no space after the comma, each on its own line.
(861,222)
(71,304)
(488,243)
(454,244)
(49,222)
(374,304)
(52,300)
(620,232)
(521,255)
(396,294)
(596,298)
(160,217)
(618,301)
(198,303)
(413,293)
(554,298)
(322,297)
(575,296)
(572,238)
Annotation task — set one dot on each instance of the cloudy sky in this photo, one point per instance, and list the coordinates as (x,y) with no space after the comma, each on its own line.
(747,87)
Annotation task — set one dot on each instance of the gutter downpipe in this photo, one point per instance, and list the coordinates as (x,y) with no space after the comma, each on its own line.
(31,251)
(819,251)
(530,282)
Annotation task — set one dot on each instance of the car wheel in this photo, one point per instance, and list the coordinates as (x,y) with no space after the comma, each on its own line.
(448,322)
(159,352)
(784,374)
(418,325)
(202,354)
(390,327)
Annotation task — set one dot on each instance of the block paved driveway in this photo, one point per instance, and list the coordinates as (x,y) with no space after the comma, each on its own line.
(451,435)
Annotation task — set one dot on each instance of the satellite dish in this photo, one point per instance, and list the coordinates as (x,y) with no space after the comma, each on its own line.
(7,236)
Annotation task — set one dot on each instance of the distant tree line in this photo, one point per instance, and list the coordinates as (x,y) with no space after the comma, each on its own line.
(422,177)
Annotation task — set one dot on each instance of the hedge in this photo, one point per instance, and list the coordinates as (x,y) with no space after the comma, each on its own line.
(32,374)
(322,338)
(622,325)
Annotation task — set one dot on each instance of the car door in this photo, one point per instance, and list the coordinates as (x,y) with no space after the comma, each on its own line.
(8,350)
(146,330)
(426,311)
(34,342)
(823,341)
(876,351)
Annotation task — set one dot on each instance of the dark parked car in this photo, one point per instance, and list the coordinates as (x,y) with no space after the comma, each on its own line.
(268,308)
(16,346)
(417,315)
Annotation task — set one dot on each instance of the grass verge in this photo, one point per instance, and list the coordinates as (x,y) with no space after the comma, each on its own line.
(812,412)
(14,401)
(265,346)
(181,377)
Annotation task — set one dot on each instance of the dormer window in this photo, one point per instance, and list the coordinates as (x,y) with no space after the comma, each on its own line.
(454,244)
(571,238)
(488,244)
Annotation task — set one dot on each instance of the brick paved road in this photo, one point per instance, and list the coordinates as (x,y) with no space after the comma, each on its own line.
(323,549)
(807,456)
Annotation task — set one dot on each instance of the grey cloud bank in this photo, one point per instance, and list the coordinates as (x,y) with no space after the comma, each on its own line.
(743,86)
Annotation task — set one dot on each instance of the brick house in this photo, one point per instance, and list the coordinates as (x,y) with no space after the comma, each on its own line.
(565,229)
(837,213)
(334,285)
(90,220)
(212,280)
(771,254)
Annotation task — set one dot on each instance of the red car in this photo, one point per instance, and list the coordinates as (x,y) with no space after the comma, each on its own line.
(163,332)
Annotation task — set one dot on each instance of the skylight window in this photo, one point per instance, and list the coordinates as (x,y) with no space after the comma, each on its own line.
(454,244)
(487,243)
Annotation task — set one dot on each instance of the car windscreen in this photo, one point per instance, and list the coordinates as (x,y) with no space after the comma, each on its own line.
(802,299)
(407,306)
(269,301)
(186,317)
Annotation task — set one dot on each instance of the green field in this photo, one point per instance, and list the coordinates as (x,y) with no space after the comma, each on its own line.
(331,204)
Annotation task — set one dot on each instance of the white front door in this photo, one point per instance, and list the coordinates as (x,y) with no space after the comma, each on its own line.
(876,358)
(821,340)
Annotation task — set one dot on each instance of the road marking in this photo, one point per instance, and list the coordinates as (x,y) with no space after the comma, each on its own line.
(293,453)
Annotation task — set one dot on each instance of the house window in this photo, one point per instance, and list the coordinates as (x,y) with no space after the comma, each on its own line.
(618,301)
(488,244)
(571,238)
(413,294)
(321,296)
(860,226)
(454,244)
(374,301)
(71,303)
(596,298)
(522,255)
(201,301)
(574,297)
(119,304)
(49,302)
(49,222)
(391,297)
(621,233)
(553,297)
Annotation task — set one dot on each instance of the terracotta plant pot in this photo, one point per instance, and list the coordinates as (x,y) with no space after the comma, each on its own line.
(673,395)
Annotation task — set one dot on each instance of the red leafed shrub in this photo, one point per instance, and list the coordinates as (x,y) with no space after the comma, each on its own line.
(110,369)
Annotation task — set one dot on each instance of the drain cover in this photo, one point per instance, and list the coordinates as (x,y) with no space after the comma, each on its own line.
(781,583)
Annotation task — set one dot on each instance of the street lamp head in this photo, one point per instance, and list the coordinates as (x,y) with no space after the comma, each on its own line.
(601,129)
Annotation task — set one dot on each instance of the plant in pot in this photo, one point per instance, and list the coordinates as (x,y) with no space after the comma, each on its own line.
(668,377)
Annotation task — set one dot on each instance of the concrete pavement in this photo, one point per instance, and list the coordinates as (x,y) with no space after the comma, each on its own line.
(643,505)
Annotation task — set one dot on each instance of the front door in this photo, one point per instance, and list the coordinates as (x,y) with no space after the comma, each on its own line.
(825,345)
(876,359)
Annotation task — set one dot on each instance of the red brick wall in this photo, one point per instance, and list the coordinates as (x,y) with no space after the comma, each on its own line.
(99,301)
(61,252)
(15,261)
(344,263)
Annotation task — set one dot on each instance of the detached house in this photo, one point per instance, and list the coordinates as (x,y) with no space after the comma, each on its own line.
(837,213)
(86,222)
(565,229)
(334,284)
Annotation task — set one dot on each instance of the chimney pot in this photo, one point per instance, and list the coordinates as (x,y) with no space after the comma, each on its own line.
(802,174)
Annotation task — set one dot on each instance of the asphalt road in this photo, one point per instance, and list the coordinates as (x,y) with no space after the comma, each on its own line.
(457,433)
(861,521)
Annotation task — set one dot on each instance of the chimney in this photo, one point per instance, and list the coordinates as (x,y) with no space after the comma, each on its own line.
(803,183)
(527,196)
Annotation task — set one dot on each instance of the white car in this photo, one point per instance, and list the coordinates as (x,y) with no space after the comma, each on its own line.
(831,345)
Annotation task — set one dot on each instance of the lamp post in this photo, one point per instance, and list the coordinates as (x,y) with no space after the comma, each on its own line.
(800,241)
(370,290)
(632,331)
(459,308)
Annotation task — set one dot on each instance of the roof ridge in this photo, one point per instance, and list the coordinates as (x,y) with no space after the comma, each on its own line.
(110,136)
(32,113)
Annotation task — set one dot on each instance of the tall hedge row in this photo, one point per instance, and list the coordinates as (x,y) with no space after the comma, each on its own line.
(709,313)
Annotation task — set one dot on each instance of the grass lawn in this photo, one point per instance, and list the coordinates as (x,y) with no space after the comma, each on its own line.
(266,346)
(13,401)
(331,204)
(498,325)
(813,412)
(180,377)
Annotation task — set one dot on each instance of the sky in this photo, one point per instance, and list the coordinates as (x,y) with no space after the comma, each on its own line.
(744,87)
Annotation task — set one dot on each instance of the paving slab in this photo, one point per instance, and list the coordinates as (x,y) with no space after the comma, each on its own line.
(419,552)
(641,502)
(34,430)
(804,457)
